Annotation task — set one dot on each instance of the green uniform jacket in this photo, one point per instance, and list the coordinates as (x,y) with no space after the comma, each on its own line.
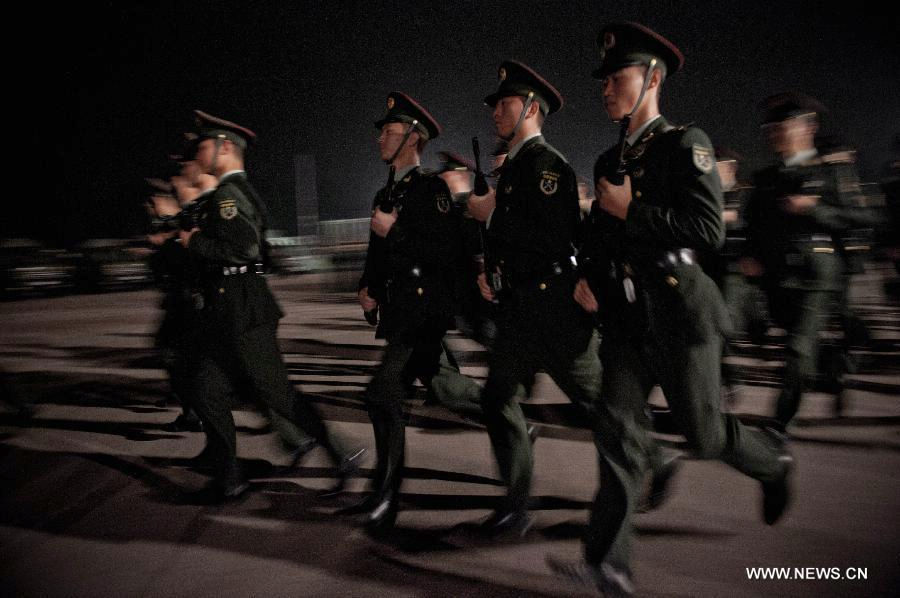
(232,234)
(531,238)
(413,273)
(676,203)
(536,219)
(804,251)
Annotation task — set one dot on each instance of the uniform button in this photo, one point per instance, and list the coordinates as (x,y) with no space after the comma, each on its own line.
(637,193)
(221,291)
(672,281)
(420,291)
(543,286)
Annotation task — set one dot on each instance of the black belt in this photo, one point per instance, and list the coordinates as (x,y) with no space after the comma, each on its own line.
(513,280)
(236,270)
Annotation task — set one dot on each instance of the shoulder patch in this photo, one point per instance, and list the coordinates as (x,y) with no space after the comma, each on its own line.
(703,158)
(227,208)
(549,182)
(443,202)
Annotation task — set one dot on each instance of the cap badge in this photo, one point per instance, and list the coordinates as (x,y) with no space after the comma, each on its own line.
(390,102)
(502,74)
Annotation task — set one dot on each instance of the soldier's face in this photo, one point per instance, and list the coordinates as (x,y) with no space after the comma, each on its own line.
(790,136)
(506,114)
(390,138)
(190,170)
(727,173)
(206,153)
(621,90)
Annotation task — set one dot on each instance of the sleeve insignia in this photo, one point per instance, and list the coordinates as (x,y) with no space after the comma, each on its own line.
(703,159)
(443,203)
(549,182)
(227,209)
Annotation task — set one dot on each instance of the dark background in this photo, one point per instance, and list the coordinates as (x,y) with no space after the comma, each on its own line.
(101,91)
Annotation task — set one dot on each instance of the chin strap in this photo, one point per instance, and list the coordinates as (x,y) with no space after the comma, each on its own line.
(529,100)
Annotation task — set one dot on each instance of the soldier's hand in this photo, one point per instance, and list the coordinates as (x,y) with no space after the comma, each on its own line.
(486,291)
(160,238)
(584,296)
(614,199)
(367,303)
(799,204)
(729,216)
(165,206)
(185,235)
(750,267)
(383,221)
(480,207)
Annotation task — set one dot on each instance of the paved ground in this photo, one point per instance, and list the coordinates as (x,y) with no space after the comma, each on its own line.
(96,498)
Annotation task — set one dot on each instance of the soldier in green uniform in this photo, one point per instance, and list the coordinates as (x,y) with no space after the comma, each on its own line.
(410,279)
(532,219)
(798,217)
(169,264)
(238,316)
(743,295)
(662,315)
(476,314)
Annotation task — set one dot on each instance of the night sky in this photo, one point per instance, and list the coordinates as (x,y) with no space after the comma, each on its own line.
(102,92)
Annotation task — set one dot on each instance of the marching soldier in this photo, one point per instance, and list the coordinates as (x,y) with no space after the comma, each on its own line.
(659,205)
(798,218)
(476,319)
(743,295)
(171,269)
(410,280)
(532,219)
(238,315)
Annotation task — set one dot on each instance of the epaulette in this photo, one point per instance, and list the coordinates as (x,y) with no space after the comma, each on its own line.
(555,151)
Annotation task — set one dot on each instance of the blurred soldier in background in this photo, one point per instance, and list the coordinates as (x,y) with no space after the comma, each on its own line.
(798,219)
(890,186)
(476,314)
(170,266)
(743,295)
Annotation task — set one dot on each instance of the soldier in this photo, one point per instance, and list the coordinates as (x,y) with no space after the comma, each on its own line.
(798,216)
(192,188)
(410,278)
(170,267)
(662,315)
(476,320)
(238,317)
(532,219)
(743,295)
